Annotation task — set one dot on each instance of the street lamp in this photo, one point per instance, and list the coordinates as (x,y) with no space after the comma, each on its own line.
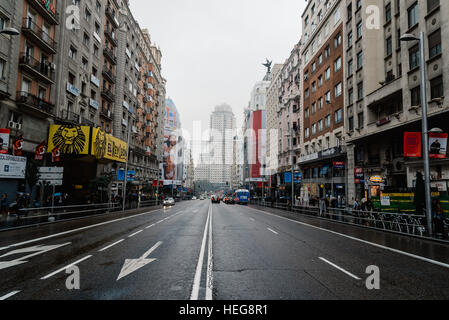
(406,38)
(10,32)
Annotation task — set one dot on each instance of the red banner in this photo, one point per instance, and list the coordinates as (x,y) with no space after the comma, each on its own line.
(17,149)
(55,155)
(161,183)
(412,145)
(40,151)
(4,141)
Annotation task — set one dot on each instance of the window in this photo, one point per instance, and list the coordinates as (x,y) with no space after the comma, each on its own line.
(389,46)
(338,116)
(359,30)
(320,81)
(2,23)
(413,15)
(337,40)
(350,11)
(87,15)
(96,51)
(337,16)
(314,86)
(328,121)
(351,123)
(327,74)
(86,39)
(313,108)
(307,113)
(349,39)
(350,67)
(2,69)
(361,120)
(314,67)
(320,125)
(338,90)
(72,53)
(307,133)
(359,60)
(327,52)
(415,94)
(351,96)
(360,91)
(320,103)
(320,59)
(388,13)
(435,44)
(436,87)
(432,4)
(359,4)
(414,57)
(84,63)
(313,129)
(327,97)
(337,64)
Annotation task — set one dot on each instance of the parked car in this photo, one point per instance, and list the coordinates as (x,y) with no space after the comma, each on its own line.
(229,200)
(169,202)
(215,199)
(194,198)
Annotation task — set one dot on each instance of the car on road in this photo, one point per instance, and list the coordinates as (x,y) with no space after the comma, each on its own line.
(194,198)
(169,202)
(215,199)
(229,200)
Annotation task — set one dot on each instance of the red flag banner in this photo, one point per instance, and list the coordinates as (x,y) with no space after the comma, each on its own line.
(412,145)
(17,149)
(40,151)
(55,155)
(438,145)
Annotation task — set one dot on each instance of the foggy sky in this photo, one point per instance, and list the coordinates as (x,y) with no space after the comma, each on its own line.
(213,49)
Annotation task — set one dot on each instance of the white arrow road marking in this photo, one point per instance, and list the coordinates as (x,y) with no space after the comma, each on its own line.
(132,265)
(9,295)
(341,269)
(36,249)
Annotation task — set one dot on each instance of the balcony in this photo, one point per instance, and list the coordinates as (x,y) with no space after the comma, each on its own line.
(48,12)
(111,35)
(41,70)
(68,116)
(109,53)
(105,113)
(110,13)
(108,74)
(87,122)
(33,32)
(108,95)
(34,105)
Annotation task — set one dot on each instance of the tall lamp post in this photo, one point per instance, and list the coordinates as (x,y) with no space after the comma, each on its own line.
(425,131)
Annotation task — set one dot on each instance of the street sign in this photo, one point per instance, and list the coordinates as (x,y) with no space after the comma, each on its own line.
(51,175)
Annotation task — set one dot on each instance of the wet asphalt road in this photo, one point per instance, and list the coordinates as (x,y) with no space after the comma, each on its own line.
(203,251)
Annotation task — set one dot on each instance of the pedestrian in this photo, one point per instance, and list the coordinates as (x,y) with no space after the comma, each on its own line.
(438,218)
(4,204)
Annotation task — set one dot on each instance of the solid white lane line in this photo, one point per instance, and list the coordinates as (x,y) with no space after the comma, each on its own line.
(272,231)
(438,263)
(210,263)
(64,268)
(340,268)
(111,245)
(199,267)
(9,295)
(74,230)
(135,234)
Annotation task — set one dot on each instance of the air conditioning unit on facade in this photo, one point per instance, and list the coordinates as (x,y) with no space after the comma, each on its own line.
(15,125)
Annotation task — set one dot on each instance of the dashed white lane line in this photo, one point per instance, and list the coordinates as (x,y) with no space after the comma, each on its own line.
(135,234)
(65,268)
(111,245)
(9,295)
(272,231)
(150,226)
(341,269)
(438,263)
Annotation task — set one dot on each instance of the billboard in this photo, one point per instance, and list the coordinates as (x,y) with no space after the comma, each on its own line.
(438,145)
(12,167)
(4,141)
(69,139)
(172,148)
(105,146)
(412,145)
(169,169)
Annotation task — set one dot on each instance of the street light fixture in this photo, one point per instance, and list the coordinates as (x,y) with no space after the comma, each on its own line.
(410,37)
(10,32)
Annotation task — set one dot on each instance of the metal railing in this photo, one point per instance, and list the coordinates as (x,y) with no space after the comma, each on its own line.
(43,68)
(28,24)
(26,98)
(34,216)
(406,224)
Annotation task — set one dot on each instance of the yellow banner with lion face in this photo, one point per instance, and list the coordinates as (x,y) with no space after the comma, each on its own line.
(105,146)
(69,139)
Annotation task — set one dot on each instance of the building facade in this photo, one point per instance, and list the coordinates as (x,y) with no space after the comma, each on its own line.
(323,158)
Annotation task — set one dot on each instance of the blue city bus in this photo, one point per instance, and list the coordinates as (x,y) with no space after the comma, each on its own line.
(242,196)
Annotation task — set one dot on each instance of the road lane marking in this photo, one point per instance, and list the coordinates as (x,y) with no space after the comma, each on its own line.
(135,234)
(199,267)
(110,246)
(438,263)
(9,295)
(74,230)
(150,226)
(34,251)
(65,268)
(132,265)
(252,219)
(210,263)
(272,231)
(341,269)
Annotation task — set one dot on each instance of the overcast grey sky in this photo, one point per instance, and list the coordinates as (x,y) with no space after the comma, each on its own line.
(213,49)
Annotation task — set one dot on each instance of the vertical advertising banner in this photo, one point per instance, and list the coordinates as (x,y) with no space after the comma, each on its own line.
(412,145)
(4,141)
(438,145)
(170,156)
